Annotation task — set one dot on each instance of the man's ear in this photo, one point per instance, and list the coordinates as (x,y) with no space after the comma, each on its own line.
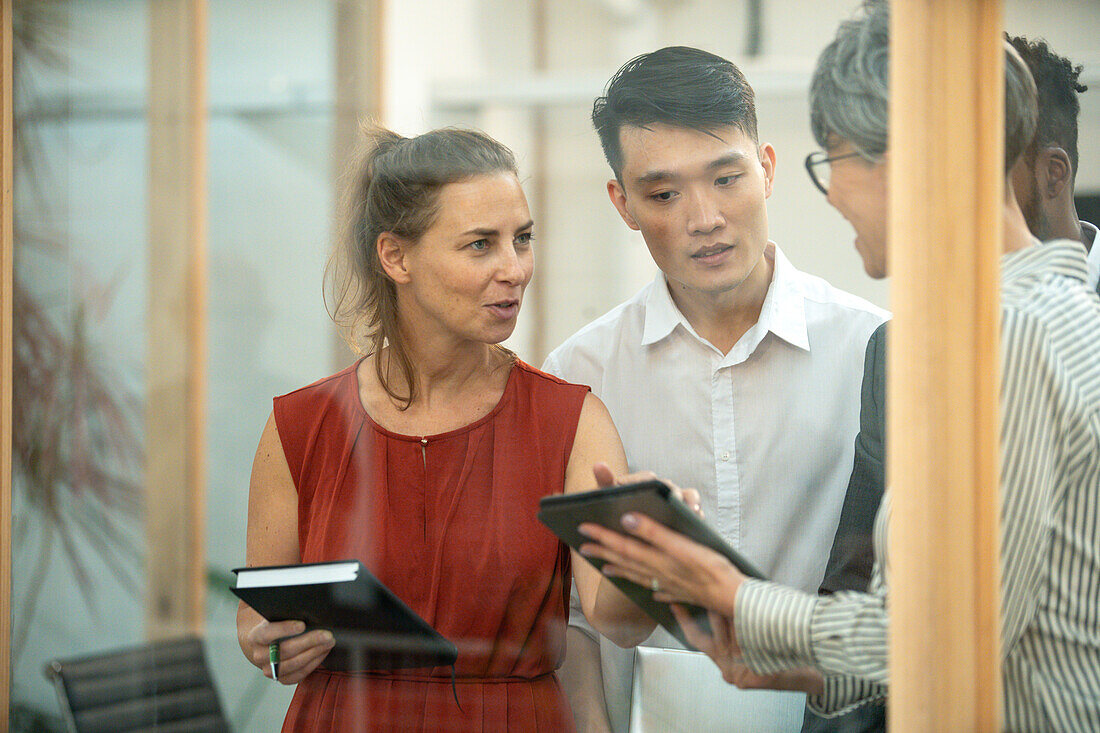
(1055,170)
(392,250)
(767,160)
(618,198)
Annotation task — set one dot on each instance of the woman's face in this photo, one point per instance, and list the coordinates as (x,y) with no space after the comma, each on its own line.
(467,273)
(857,189)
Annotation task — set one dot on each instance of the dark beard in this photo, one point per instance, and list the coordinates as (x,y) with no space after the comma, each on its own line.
(1033,213)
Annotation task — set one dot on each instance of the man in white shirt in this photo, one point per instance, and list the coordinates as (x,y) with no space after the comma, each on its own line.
(1045,174)
(732,371)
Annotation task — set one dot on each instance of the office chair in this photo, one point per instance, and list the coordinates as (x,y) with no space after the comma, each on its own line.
(161,687)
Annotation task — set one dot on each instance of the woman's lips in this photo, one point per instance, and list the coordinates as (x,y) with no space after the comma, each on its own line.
(505,309)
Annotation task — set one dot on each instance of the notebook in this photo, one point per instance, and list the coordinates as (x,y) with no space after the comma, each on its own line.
(373,628)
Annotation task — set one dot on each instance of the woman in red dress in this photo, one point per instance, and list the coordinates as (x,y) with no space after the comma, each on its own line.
(426,458)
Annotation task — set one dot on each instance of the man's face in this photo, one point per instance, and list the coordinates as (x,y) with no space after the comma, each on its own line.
(699,201)
(857,189)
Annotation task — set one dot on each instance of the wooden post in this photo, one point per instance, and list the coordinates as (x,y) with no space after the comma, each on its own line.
(359,54)
(946,202)
(176,330)
(359,67)
(540,178)
(7,173)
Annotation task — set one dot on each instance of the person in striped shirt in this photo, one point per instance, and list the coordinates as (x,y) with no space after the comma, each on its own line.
(1045,175)
(835,647)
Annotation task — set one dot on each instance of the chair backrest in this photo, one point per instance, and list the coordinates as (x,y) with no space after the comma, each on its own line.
(162,686)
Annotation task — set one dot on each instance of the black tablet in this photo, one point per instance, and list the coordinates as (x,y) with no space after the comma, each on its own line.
(563,513)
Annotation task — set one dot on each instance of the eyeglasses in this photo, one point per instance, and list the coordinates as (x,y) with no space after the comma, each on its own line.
(819,171)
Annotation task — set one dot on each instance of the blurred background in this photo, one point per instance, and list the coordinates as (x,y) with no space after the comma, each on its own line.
(286,82)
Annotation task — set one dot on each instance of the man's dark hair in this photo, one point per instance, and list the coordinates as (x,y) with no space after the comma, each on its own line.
(677,86)
(1056,80)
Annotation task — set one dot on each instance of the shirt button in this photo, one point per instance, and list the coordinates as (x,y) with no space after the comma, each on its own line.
(725,455)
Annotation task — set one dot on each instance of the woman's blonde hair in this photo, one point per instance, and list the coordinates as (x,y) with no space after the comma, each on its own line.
(394,187)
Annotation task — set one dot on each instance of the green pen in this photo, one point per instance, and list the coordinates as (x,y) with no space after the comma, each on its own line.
(273,657)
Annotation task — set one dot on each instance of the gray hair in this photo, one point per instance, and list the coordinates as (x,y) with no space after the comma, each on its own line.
(850,90)
(1021,106)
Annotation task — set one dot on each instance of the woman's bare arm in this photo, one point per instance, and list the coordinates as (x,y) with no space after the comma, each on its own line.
(273,540)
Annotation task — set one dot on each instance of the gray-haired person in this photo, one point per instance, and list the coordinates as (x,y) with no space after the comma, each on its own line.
(765,635)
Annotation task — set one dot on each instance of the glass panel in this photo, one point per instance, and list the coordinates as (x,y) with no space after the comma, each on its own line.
(270,202)
(78,535)
(81,222)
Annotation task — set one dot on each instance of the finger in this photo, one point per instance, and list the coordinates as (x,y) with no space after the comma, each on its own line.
(689,555)
(729,633)
(671,595)
(694,501)
(616,571)
(611,545)
(266,632)
(692,631)
(295,646)
(719,632)
(604,475)
(615,565)
(657,534)
(594,551)
(637,477)
(301,666)
(261,636)
(734,670)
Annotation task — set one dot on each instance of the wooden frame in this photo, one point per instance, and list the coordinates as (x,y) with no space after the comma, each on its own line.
(540,182)
(6,277)
(176,330)
(946,199)
(359,35)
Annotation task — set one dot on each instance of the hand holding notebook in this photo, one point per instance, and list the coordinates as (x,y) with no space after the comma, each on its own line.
(372,628)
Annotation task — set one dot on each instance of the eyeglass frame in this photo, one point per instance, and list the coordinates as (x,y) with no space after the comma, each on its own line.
(810,163)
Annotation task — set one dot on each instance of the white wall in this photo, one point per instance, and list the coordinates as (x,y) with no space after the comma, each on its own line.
(588,260)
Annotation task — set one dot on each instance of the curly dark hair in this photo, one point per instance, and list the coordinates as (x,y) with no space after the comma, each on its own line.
(1056,79)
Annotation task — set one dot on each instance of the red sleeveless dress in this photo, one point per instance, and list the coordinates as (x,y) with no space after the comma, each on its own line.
(448,523)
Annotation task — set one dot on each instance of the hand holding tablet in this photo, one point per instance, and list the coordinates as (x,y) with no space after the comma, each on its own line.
(606,507)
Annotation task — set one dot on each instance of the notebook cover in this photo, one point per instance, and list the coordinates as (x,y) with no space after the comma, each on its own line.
(373,628)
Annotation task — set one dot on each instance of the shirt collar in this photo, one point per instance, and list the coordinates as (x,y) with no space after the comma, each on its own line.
(1060,257)
(783,312)
(661,314)
(1090,228)
(1094,255)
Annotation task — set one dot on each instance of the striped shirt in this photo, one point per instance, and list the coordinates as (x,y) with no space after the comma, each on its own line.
(1050,525)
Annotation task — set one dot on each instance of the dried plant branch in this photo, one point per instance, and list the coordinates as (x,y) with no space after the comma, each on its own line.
(76,442)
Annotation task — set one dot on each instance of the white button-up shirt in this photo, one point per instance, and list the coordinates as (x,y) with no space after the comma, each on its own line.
(766,432)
